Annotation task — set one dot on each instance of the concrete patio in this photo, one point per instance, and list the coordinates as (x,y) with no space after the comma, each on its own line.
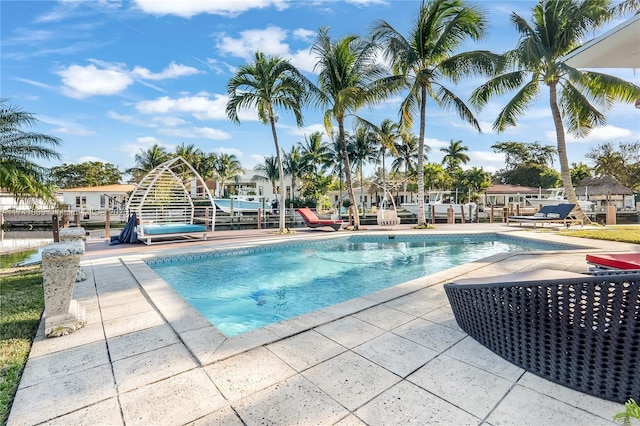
(395,356)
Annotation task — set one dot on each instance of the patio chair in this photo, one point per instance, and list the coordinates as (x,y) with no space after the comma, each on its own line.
(559,213)
(313,221)
(615,260)
(580,331)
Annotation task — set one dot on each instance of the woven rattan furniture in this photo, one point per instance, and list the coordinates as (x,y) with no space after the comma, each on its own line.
(580,332)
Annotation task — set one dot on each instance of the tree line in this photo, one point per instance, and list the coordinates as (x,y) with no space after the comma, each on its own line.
(422,65)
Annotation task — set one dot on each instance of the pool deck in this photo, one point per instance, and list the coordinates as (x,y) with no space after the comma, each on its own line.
(395,356)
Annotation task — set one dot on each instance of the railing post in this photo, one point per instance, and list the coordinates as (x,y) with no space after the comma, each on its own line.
(491,215)
(55,226)
(76,218)
(462,211)
(107,224)
(259,218)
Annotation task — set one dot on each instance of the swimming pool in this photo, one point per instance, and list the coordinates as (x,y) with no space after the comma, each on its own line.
(244,289)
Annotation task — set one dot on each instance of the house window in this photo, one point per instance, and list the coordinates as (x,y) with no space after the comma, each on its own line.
(103,201)
(81,202)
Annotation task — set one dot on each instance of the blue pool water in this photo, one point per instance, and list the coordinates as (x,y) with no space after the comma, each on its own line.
(241,290)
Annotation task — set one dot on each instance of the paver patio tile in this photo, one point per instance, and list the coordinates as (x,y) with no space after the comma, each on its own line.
(176,400)
(395,353)
(407,404)
(130,323)
(471,352)
(247,373)
(62,363)
(148,367)
(125,309)
(430,334)
(138,342)
(90,333)
(351,379)
(306,349)
(349,331)
(416,304)
(443,377)
(526,407)
(222,417)
(598,406)
(48,400)
(294,401)
(350,420)
(104,413)
(384,317)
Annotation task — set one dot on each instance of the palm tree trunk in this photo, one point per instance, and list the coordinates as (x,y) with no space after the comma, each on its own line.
(280,171)
(420,171)
(565,171)
(347,173)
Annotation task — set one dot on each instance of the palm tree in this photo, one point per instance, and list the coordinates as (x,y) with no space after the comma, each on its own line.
(18,148)
(454,155)
(348,79)
(268,171)
(294,166)
(226,168)
(557,28)
(335,163)
(147,161)
(388,134)
(268,83)
(315,152)
(426,57)
(363,150)
(407,149)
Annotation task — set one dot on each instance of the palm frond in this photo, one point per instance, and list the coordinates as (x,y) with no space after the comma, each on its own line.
(517,105)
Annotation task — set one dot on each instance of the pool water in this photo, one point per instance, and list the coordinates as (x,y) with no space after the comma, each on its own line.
(241,290)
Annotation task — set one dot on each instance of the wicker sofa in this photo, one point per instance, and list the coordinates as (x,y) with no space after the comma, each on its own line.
(582,332)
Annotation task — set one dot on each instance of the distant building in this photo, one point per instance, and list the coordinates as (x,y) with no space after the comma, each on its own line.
(606,191)
(92,198)
(502,195)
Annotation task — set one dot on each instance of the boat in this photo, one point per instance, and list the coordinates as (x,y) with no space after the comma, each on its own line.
(557,196)
(440,201)
(243,204)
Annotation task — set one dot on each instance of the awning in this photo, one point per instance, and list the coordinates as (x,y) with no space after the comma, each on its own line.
(617,48)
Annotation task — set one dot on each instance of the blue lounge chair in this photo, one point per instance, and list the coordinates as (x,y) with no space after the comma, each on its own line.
(548,214)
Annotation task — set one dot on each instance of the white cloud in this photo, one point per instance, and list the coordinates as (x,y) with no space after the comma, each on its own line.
(269,41)
(231,151)
(172,71)
(77,131)
(599,134)
(142,144)
(435,144)
(189,8)
(129,119)
(197,132)
(104,78)
(88,158)
(307,130)
(483,156)
(201,107)
(169,121)
(81,82)
(304,34)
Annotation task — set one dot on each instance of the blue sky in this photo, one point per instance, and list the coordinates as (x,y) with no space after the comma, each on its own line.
(111,78)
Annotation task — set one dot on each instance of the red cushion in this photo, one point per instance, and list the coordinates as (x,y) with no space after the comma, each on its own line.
(616,260)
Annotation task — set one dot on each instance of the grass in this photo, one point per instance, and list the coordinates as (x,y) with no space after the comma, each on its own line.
(621,233)
(22,302)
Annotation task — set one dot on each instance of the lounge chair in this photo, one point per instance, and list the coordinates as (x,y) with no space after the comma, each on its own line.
(580,331)
(559,213)
(615,260)
(313,221)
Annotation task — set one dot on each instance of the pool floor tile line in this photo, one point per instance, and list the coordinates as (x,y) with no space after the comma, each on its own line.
(399,360)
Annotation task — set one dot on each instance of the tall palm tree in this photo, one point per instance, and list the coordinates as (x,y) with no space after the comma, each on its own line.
(556,28)
(363,150)
(348,79)
(226,168)
(147,161)
(454,155)
(335,164)
(268,171)
(388,134)
(268,83)
(19,174)
(427,57)
(294,166)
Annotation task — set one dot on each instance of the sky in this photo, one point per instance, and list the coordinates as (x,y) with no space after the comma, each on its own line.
(111,78)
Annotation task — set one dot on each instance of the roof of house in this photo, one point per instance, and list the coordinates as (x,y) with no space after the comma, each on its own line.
(514,189)
(102,188)
(605,185)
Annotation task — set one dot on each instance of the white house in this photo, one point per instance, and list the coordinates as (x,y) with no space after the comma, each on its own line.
(92,198)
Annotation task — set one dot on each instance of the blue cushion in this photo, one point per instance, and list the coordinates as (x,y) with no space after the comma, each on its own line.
(172,228)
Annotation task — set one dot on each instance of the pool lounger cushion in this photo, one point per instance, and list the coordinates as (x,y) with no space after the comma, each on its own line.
(615,260)
(171,228)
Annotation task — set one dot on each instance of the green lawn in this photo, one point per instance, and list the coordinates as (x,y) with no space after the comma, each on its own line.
(22,303)
(621,233)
